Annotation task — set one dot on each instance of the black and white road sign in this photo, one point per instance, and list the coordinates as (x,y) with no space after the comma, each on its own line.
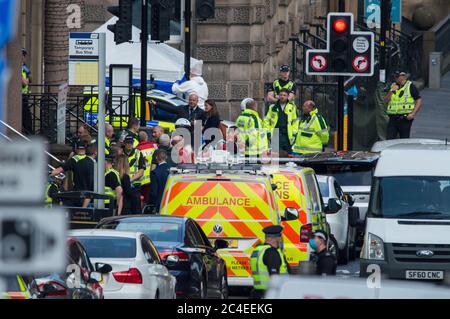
(32,240)
(360,63)
(319,62)
(361,44)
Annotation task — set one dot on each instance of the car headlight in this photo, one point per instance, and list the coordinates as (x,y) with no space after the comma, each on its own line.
(375,247)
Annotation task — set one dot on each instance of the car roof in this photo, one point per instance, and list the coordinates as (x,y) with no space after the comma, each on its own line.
(353,157)
(382,145)
(104,233)
(414,160)
(144,218)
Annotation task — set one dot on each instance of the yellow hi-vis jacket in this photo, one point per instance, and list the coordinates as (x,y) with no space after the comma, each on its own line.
(277,86)
(312,134)
(402,103)
(271,119)
(252,131)
(260,272)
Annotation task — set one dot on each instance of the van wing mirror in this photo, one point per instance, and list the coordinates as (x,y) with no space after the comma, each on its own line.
(350,200)
(333,206)
(274,187)
(290,214)
(220,244)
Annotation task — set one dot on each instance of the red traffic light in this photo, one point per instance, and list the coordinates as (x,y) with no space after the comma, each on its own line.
(340,25)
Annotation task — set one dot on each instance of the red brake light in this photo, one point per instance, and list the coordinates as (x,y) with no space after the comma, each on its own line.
(305,232)
(132,276)
(182,256)
(340,25)
(60,290)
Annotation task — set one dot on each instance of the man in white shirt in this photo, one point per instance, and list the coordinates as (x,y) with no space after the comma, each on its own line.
(196,84)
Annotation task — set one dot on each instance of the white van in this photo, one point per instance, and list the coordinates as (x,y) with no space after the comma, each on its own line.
(408,220)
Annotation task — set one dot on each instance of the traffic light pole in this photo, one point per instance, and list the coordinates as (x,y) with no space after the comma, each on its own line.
(341,95)
(385,13)
(144,47)
(187,38)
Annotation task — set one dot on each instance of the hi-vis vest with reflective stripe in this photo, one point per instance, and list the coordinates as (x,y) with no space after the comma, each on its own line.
(252,131)
(48,200)
(108,190)
(26,88)
(277,86)
(148,156)
(312,135)
(401,104)
(133,161)
(271,119)
(260,272)
(107,146)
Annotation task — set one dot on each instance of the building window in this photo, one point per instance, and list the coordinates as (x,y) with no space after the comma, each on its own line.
(176,21)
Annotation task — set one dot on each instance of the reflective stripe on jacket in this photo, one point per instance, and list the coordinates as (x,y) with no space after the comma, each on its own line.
(252,132)
(271,119)
(401,101)
(108,190)
(260,272)
(277,86)
(312,134)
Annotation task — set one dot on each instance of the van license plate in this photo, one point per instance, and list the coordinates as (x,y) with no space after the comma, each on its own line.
(424,275)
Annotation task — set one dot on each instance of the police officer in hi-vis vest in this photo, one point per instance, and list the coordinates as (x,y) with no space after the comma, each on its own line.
(404,104)
(267,259)
(283,82)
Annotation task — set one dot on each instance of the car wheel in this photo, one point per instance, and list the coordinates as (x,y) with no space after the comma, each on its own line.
(224,288)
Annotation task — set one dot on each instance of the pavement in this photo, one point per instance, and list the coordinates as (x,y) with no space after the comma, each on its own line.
(433,120)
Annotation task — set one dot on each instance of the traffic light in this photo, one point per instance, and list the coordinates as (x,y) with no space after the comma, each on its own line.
(205,9)
(160,20)
(122,28)
(348,53)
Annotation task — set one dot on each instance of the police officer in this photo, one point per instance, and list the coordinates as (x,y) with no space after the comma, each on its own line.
(133,131)
(109,137)
(283,116)
(267,260)
(113,185)
(136,161)
(27,118)
(404,104)
(325,261)
(283,82)
(312,135)
(53,187)
(252,131)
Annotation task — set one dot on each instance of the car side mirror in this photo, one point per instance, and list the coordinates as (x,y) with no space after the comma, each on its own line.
(95,277)
(46,290)
(220,244)
(333,206)
(274,187)
(103,268)
(290,214)
(353,216)
(171,260)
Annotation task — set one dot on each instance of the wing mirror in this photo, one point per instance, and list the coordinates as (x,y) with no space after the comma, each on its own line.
(333,206)
(220,244)
(290,214)
(274,187)
(353,216)
(171,260)
(103,268)
(95,277)
(350,200)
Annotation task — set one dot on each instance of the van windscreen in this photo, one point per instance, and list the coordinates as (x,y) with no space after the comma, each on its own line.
(414,197)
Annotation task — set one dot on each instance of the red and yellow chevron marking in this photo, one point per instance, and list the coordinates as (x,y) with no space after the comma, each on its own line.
(238,207)
(291,194)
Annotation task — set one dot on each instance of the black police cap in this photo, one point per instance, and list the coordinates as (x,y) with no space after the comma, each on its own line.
(109,158)
(273,231)
(80,144)
(285,68)
(129,139)
(321,234)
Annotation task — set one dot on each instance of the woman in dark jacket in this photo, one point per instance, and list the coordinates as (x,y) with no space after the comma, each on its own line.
(131,197)
(211,121)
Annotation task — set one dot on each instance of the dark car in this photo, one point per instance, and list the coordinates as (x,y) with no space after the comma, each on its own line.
(80,281)
(184,249)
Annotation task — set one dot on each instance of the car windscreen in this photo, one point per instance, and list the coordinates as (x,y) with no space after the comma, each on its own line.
(109,246)
(10,284)
(345,174)
(157,231)
(324,190)
(411,197)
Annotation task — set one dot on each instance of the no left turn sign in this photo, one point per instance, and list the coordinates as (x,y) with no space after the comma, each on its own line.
(319,62)
(360,63)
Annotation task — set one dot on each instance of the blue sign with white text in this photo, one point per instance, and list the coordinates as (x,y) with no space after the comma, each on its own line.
(373,12)
(7,21)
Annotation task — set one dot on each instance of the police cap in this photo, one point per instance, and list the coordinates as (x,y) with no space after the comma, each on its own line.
(80,144)
(285,68)
(273,231)
(128,139)
(109,158)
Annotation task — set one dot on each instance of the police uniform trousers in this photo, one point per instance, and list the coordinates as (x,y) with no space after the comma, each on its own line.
(398,127)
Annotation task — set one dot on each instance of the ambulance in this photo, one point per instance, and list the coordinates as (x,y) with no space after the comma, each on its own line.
(232,202)
(297,188)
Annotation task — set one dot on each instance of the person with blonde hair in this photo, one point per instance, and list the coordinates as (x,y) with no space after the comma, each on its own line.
(131,197)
